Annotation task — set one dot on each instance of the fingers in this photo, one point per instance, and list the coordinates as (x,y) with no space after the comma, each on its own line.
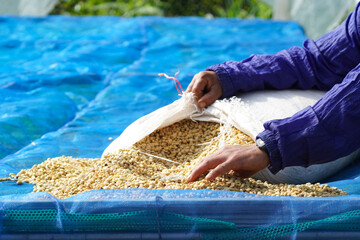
(218,171)
(244,160)
(189,88)
(206,88)
(206,164)
(210,97)
(199,87)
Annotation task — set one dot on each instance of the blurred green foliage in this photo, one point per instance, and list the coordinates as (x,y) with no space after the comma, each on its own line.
(131,8)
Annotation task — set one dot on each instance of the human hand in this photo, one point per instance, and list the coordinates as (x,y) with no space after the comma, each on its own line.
(206,88)
(245,160)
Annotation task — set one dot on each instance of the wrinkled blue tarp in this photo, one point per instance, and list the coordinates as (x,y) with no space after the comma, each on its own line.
(67,84)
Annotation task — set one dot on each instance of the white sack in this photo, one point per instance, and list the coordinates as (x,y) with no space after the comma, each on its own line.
(247,112)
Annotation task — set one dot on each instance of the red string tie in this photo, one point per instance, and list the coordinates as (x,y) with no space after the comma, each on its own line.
(175,81)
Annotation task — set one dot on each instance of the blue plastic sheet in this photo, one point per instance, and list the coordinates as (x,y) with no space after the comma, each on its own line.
(67,84)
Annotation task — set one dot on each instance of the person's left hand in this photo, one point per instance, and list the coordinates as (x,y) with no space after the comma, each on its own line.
(246,160)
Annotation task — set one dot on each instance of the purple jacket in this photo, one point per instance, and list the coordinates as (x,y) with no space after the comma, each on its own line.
(326,131)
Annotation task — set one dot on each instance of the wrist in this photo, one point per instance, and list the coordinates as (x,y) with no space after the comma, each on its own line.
(274,154)
(262,156)
(261,145)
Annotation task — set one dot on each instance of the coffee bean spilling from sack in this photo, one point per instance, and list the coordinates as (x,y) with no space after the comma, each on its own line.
(162,160)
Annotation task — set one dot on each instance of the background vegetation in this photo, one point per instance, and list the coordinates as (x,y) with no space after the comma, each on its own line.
(131,8)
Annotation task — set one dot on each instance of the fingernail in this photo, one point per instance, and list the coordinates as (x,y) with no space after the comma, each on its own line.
(202,105)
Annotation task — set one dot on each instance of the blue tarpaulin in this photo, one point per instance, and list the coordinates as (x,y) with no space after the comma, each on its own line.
(67,84)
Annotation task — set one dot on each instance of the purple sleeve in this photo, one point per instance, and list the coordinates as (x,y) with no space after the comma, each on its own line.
(319,64)
(317,134)
(322,133)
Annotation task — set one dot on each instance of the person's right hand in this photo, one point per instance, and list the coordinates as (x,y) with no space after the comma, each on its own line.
(206,88)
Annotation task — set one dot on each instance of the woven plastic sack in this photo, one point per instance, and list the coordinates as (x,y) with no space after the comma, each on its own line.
(247,112)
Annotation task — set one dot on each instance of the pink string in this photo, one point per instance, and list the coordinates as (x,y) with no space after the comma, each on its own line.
(175,81)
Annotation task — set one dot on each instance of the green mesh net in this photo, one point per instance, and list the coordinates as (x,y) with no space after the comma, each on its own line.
(37,221)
